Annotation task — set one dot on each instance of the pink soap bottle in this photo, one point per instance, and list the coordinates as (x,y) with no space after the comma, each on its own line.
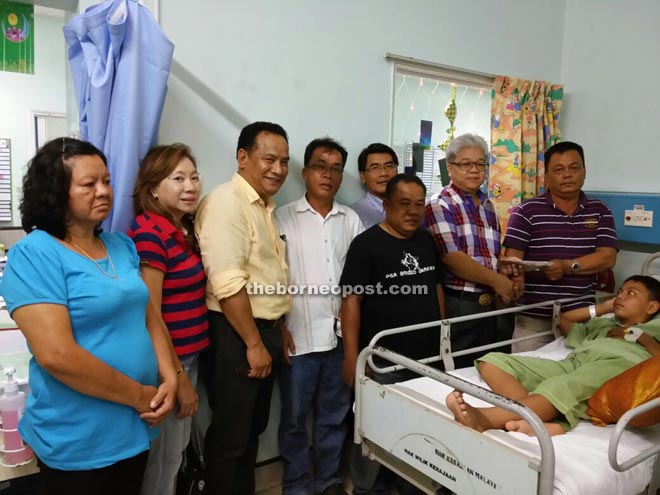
(12,405)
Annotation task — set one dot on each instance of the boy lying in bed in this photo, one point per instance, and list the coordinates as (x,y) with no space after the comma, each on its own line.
(558,391)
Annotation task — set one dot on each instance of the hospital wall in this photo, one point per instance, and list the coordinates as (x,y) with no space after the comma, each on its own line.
(610,70)
(609,64)
(21,94)
(319,69)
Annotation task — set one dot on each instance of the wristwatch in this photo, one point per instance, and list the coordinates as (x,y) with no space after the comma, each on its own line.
(575,266)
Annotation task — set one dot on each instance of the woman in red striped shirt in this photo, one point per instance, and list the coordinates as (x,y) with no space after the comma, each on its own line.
(165,198)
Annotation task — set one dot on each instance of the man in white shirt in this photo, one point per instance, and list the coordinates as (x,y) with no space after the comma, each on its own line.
(318,232)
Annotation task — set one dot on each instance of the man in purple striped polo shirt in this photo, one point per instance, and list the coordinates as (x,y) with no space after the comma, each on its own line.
(574,233)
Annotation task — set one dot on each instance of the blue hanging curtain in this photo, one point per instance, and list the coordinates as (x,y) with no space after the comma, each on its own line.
(120,60)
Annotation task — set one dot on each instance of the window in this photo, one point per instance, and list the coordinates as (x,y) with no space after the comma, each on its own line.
(47,126)
(421,93)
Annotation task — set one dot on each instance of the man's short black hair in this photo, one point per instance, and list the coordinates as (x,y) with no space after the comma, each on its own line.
(250,132)
(563,147)
(651,284)
(375,148)
(406,178)
(327,144)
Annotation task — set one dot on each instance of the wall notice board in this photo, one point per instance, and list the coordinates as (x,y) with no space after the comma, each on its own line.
(5,180)
(620,202)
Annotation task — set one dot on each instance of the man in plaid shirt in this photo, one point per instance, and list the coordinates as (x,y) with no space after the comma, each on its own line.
(466,230)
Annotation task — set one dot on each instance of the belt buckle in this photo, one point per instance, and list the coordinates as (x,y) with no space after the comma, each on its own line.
(485,299)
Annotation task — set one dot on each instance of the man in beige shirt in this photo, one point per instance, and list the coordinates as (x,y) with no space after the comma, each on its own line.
(244,259)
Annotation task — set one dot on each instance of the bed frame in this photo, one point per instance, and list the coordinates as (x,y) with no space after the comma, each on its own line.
(440,452)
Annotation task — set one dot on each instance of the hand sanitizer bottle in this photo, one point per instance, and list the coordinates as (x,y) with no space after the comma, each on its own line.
(12,405)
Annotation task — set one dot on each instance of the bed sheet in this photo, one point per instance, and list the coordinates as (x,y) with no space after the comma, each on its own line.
(581,464)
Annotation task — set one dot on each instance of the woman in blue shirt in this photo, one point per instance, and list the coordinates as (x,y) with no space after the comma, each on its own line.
(98,345)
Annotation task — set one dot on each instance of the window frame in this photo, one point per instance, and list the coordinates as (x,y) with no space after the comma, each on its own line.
(409,66)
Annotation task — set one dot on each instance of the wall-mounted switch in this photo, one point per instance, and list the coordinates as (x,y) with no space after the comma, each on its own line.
(638,218)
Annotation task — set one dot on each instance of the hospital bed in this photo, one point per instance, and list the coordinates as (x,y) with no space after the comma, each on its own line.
(407,427)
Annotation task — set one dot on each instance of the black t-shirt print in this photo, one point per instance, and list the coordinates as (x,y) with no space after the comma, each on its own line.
(398,281)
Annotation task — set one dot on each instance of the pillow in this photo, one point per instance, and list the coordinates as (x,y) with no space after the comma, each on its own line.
(630,389)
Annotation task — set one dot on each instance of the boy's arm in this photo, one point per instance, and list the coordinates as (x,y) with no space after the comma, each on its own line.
(649,343)
(650,336)
(645,339)
(582,314)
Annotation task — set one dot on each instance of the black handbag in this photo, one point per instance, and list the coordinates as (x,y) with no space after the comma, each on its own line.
(190,479)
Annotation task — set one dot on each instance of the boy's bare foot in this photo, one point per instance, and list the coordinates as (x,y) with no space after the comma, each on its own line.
(465,414)
(522,426)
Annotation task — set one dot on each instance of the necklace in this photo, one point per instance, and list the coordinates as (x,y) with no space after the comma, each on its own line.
(107,253)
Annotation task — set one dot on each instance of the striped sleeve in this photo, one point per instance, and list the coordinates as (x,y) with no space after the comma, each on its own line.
(606,234)
(518,230)
(150,246)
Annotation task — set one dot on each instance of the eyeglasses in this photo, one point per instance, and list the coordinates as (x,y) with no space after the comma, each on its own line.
(180,179)
(323,169)
(467,166)
(377,167)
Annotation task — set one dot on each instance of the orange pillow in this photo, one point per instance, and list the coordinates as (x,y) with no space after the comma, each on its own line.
(631,388)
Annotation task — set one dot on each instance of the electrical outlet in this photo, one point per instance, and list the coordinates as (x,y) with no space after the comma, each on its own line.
(638,218)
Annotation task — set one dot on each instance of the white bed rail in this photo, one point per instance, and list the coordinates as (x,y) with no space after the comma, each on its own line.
(446,354)
(547,466)
(646,265)
(618,432)
(419,366)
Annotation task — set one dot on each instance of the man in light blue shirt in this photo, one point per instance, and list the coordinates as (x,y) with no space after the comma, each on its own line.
(377,164)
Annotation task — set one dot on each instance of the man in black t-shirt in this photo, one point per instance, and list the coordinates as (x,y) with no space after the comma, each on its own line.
(391,278)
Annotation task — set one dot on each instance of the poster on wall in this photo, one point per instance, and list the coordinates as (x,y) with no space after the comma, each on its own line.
(17,51)
(5,180)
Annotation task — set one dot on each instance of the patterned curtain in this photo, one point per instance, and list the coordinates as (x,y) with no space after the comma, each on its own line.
(524,123)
